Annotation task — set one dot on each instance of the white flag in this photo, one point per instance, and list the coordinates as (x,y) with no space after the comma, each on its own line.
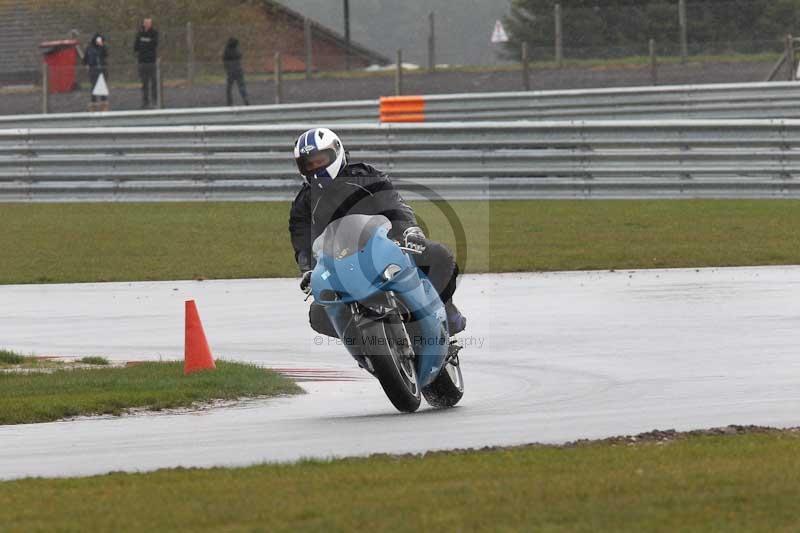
(499,34)
(100,88)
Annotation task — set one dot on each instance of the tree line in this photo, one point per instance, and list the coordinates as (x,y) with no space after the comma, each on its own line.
(608,28)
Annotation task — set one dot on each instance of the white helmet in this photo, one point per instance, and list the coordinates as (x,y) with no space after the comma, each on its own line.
(320,156)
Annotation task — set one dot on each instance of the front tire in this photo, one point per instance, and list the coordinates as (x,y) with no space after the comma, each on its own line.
(388,347)
(448,387)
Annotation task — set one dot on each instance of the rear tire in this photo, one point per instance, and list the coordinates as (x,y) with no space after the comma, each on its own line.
(448,387)
(387,345)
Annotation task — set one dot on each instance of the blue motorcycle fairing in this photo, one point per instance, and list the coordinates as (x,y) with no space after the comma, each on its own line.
(359,277)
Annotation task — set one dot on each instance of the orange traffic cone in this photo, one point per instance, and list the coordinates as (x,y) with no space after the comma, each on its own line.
(197,354)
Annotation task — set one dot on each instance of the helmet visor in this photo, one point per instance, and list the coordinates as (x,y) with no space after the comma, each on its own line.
(316,161)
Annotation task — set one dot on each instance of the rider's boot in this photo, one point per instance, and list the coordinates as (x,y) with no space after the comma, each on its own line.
(456,322)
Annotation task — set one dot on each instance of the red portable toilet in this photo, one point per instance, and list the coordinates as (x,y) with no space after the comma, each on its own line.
(61,58)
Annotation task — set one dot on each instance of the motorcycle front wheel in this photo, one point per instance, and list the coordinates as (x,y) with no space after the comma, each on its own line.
(388,347)
(448,388)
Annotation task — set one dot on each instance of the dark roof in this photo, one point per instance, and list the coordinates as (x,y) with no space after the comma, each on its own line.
(356,49)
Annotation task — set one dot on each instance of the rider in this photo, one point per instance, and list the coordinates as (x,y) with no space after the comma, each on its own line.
(334,188)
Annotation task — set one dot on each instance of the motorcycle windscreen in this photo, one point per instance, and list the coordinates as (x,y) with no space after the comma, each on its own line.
(345,236)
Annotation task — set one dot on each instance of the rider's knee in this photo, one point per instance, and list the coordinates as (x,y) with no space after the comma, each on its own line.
(438,253)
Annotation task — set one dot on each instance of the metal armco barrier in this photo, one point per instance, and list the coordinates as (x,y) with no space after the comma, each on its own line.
(720,101)
(402,109)
(615,159)
(729,101)
(326,112)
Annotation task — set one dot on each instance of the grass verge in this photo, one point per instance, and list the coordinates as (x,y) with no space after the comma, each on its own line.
(31,397)
(9,358)
(702,483)
(94,360)
(45,243)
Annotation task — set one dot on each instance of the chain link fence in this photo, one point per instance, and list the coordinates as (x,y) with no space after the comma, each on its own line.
(667,43)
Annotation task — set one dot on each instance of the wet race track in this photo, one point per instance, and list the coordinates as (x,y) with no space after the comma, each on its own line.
(548,358)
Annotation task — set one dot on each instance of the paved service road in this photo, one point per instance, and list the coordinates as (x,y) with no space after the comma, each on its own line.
(549,358)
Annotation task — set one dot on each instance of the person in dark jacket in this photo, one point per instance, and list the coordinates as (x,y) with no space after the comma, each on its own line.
(95,58)
(232,59)
(333,189)
(145,46)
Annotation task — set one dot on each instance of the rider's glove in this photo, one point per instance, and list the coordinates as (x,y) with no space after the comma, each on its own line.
(305,281)
(414,239)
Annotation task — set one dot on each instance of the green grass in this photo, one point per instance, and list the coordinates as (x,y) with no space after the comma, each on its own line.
(47,396)
(93,360)
(44,243)
(12,358)
(709,483)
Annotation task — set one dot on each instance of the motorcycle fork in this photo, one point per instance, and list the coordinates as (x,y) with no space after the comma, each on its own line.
(382,310)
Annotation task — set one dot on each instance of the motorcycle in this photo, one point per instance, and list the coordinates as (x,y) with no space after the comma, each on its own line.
(386,312)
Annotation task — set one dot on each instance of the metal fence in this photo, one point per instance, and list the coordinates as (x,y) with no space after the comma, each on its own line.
(327,112)
(717,101)
(721,158)
(746,100)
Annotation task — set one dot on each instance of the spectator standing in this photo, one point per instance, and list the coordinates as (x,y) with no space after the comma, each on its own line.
(146,49)
(95,59)
(234,73)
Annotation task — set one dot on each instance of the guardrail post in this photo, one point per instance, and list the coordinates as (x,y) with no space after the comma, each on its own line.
(278,78)
(432,42)
(653,63)
(682,22)
(398,76)
(526,77)
(307,38)
(559,36)
(190,54)
(790,61)
(45,89)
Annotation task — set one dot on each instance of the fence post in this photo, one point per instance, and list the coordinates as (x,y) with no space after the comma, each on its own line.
(45,89)
(159,85)
(307,37)
(398,77)
(526,78)
(790,58)
(684,30)
(559,36)
(653,63)
(432,42)
(190,54)
(278,78)
(347,34)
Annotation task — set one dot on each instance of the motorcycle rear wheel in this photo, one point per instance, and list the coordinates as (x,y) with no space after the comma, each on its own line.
(388,347)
